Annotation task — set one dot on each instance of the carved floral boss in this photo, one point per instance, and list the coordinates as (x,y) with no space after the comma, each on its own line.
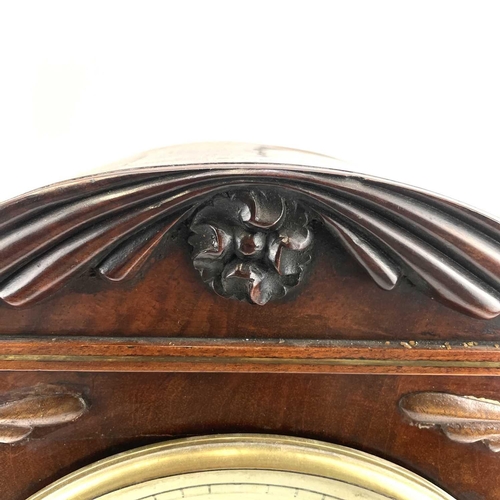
(251,232)
(251,245)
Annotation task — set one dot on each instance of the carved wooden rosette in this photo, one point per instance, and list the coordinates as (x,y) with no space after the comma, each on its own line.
(251,245)
(464,419)
(111,223)
(40,406)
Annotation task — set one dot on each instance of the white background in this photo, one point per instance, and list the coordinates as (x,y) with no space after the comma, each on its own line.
(408,90)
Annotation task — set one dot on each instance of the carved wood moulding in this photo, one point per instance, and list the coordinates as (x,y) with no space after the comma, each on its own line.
(41,406)
(464,419)
(252,226)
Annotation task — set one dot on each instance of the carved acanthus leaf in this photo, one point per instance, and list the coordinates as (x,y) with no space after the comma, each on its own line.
(464,419)
(40,406)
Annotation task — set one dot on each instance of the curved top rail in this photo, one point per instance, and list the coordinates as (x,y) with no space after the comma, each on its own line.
(111,221)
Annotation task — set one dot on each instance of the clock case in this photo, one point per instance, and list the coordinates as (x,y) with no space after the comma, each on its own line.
(366,315)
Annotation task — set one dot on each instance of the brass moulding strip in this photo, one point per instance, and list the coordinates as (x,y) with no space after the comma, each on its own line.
(234,355)
(172,361)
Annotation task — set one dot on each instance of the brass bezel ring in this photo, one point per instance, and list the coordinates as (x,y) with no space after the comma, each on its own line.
(242,451)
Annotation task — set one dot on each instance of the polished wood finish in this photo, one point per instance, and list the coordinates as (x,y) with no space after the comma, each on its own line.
(252,245)
(464,419)
(43,405)
(337,301)
(130,410)
(99,296)
(105,222)
(250,356)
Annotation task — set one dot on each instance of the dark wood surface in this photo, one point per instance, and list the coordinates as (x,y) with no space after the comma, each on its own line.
(99,295)
(110,224)
(337,301)
(128,410)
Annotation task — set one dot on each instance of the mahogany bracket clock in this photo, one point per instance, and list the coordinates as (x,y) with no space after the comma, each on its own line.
(247,321)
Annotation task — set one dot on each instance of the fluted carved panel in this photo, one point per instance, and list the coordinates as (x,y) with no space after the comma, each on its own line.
(113,222)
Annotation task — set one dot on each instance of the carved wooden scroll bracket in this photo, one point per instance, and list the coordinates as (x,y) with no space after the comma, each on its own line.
(40,406)
(251,231)
(464,419)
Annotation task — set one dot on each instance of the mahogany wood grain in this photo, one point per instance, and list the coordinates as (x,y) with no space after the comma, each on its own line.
(43,405)
(52,237)
(129,410)
(337,301)
(464,419)
(146,354)
(98,294)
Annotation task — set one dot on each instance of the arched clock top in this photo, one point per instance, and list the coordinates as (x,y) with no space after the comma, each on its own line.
(252,220)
